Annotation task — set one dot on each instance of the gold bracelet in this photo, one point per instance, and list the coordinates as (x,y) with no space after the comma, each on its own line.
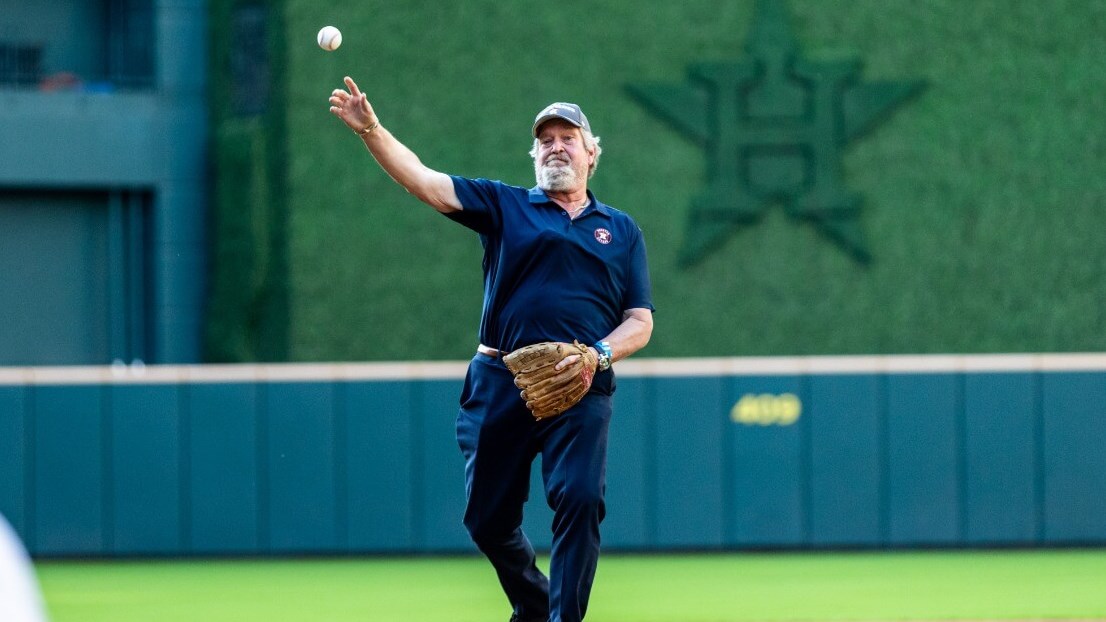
(368,130)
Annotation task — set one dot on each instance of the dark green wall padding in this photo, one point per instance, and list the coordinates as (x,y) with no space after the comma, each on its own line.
(248,297)
(983,197)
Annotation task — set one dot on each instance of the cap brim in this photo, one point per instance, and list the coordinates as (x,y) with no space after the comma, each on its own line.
(549,117)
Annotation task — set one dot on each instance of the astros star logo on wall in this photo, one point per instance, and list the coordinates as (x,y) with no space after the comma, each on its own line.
(774,125)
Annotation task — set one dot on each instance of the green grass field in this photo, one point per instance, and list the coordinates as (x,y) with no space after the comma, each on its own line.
(1002,585)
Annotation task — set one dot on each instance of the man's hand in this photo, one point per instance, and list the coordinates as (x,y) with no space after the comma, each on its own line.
(572,359)
(352,107)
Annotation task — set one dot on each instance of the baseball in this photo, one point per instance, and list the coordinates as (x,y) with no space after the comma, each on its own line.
(330,38)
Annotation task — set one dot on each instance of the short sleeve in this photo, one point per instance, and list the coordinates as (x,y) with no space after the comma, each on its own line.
(480,208)
(639,291)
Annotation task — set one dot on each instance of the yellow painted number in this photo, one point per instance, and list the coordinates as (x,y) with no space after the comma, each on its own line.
(767,409)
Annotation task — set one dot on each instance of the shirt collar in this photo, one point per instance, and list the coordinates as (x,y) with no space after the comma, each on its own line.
(538,197)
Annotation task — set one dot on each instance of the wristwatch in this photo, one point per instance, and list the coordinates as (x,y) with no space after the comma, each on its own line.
(604,350)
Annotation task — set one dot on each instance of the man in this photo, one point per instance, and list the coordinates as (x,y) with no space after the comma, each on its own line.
(558,266)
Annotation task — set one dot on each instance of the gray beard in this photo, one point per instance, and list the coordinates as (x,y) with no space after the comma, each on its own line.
(556,178)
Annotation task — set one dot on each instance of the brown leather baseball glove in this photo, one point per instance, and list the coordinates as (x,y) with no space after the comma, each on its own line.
(549,392)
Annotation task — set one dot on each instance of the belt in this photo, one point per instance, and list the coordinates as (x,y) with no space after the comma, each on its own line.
(492,352)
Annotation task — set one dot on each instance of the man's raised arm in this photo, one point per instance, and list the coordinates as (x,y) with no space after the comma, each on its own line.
(431,187)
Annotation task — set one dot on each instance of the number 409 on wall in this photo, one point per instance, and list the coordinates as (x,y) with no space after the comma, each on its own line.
(767,409)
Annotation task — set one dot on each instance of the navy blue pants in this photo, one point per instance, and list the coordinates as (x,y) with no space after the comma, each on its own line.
(500,439)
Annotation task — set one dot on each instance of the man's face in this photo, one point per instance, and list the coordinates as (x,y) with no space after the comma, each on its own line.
(563,160)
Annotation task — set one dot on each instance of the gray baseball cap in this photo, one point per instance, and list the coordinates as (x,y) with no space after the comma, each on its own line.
(562,110)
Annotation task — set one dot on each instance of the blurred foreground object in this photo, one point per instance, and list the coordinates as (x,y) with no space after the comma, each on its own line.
(20,600)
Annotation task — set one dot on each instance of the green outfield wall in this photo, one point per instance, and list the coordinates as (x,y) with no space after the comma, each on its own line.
(979,200)
(847,452)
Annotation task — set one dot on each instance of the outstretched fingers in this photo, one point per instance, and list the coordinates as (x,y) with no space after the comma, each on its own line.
(352,86)
(338,101)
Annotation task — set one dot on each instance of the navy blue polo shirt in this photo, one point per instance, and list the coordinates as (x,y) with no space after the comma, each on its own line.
(548,277)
